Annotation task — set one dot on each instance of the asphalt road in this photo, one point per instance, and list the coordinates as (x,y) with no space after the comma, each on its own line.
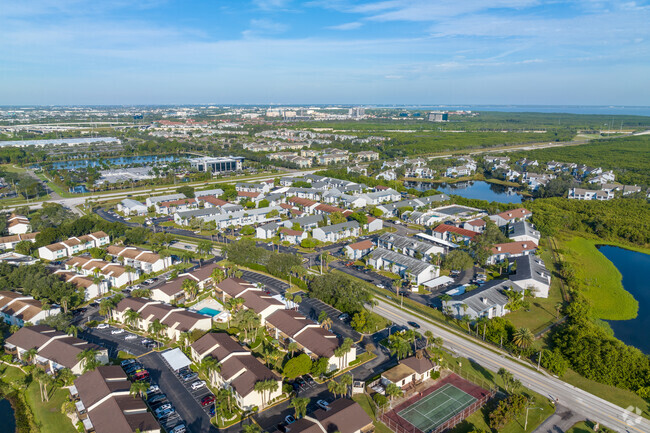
(581,402)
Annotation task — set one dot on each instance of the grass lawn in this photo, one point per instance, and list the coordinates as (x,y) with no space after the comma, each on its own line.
(599,278)
(542,311)
(47,414)
(11,168)
(390,275)
(367,405)
(582,427)
(618,396)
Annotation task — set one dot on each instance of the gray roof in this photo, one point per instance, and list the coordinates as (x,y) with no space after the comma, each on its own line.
(400,242)
(339,227)
(168,197)
(273,197)
(485,297)
(529,267)
(523,228)
(306,220)
(414,266)
(130,203)
(215,192)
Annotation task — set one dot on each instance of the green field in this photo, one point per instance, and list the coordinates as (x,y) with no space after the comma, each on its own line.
(369,407)
(47,414)
(599,279)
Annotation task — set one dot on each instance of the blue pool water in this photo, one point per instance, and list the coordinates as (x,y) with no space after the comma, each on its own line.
(209,311)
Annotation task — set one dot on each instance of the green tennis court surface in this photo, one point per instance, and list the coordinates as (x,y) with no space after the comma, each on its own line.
(437,408)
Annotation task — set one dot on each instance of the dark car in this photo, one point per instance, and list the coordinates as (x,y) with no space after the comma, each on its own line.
(211,411)
(189,376)
(156,398)
(208,399)
(301,383)
(310,380)
(414,324)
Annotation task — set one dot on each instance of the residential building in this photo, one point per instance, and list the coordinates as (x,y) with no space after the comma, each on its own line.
(451,233)
(16,259)
(73,246)
(18,309)
(358,250)
(417,271)
(368,155)
(476,225)
(18,225)
(294,237)
(105,405)
(239,371)
(138,258)
(531,274)
(510,250)
(590,194)
(410,371)
(177,320)
(151,201)
(10,242)
(488,300)
(409,246)
(342,415)
(511,216)
(91,288)
(308,222)
(523,231)
(115,274)
(173,292)
(228,219)
(131,207)
(387,175)
(54,349)
(174,206)
(336,232)
(261,187)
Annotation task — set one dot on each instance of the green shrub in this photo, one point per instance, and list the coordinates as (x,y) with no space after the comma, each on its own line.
(380,400)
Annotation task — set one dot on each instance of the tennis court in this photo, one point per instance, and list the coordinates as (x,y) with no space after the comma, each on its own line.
(436,408)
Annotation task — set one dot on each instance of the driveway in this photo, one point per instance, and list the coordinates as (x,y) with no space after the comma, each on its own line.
(562,420)
(277,287)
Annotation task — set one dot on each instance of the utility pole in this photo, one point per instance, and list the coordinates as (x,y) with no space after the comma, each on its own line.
(539,360)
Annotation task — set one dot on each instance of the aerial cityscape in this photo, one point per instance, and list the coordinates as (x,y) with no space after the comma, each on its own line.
(318,217)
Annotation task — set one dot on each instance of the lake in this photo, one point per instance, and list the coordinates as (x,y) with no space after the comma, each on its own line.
(7,417)
(126,160)
(632,265)
(472,189)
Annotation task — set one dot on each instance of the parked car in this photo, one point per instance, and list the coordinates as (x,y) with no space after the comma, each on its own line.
(156,398)
(127,362)
(310,380)
(117,331)
(381,286)
(189,376)
(289,419)
(178,429)
(164,407)
(301,383)
(414,324)
(198,384)
(208,399)
(103,326)
(152,389)
(212,410)
(141,375)
(344,316)
(132,367)
(322,404)
(130,337)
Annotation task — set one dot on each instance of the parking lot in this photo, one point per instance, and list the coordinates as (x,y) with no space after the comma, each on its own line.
(179,394)
(311,308)
(276,286)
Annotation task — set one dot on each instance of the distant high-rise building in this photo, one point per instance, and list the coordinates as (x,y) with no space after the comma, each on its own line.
(438,116)
(357,112)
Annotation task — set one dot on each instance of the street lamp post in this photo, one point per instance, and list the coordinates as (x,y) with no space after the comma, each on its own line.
(526,422)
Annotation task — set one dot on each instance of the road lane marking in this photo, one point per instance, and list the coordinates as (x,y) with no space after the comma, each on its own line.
(549,386)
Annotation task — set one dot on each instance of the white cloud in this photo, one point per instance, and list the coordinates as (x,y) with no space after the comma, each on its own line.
(347,26)
(264,26)
(271,4)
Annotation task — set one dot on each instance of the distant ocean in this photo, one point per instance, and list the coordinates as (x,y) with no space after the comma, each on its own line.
(611,110)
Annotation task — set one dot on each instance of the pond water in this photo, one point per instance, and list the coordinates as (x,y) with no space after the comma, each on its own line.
(472,189)
(125,160)
(7,416)
(632,265)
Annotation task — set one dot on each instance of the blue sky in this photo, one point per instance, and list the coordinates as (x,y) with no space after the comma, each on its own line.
(578,52)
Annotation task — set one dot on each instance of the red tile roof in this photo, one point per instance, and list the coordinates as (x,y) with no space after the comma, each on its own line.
(302,201)
(212,200)
(442,228)
(328,208)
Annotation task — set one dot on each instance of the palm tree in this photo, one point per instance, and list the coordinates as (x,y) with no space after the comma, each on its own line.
(184,338)
(297,300)
(333,387)
(43,380)
(30,354)
(523,338)
(393,390)
(326,323)
(106,307)
(346,380)
(89,359)
(293,347)
(65,301)
(14,328)
(68,407)
(299,404)
(191,288)
(139,389)
(131,317)
(65,376)
(429,337)
(156,327)
(208,366)
(217,275)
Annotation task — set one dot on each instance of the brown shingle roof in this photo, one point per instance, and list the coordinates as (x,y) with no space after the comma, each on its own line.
(419,365)
(234,286)
(363,245)
(343,415)
(224,343)
(514,247)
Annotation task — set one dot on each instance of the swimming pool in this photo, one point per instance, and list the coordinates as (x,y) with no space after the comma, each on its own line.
(209,311)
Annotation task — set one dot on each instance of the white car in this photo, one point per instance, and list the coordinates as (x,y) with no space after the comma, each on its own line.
(198,384)
(152,389)
(117,331)
(381,286)
(103,326)
(179,429)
